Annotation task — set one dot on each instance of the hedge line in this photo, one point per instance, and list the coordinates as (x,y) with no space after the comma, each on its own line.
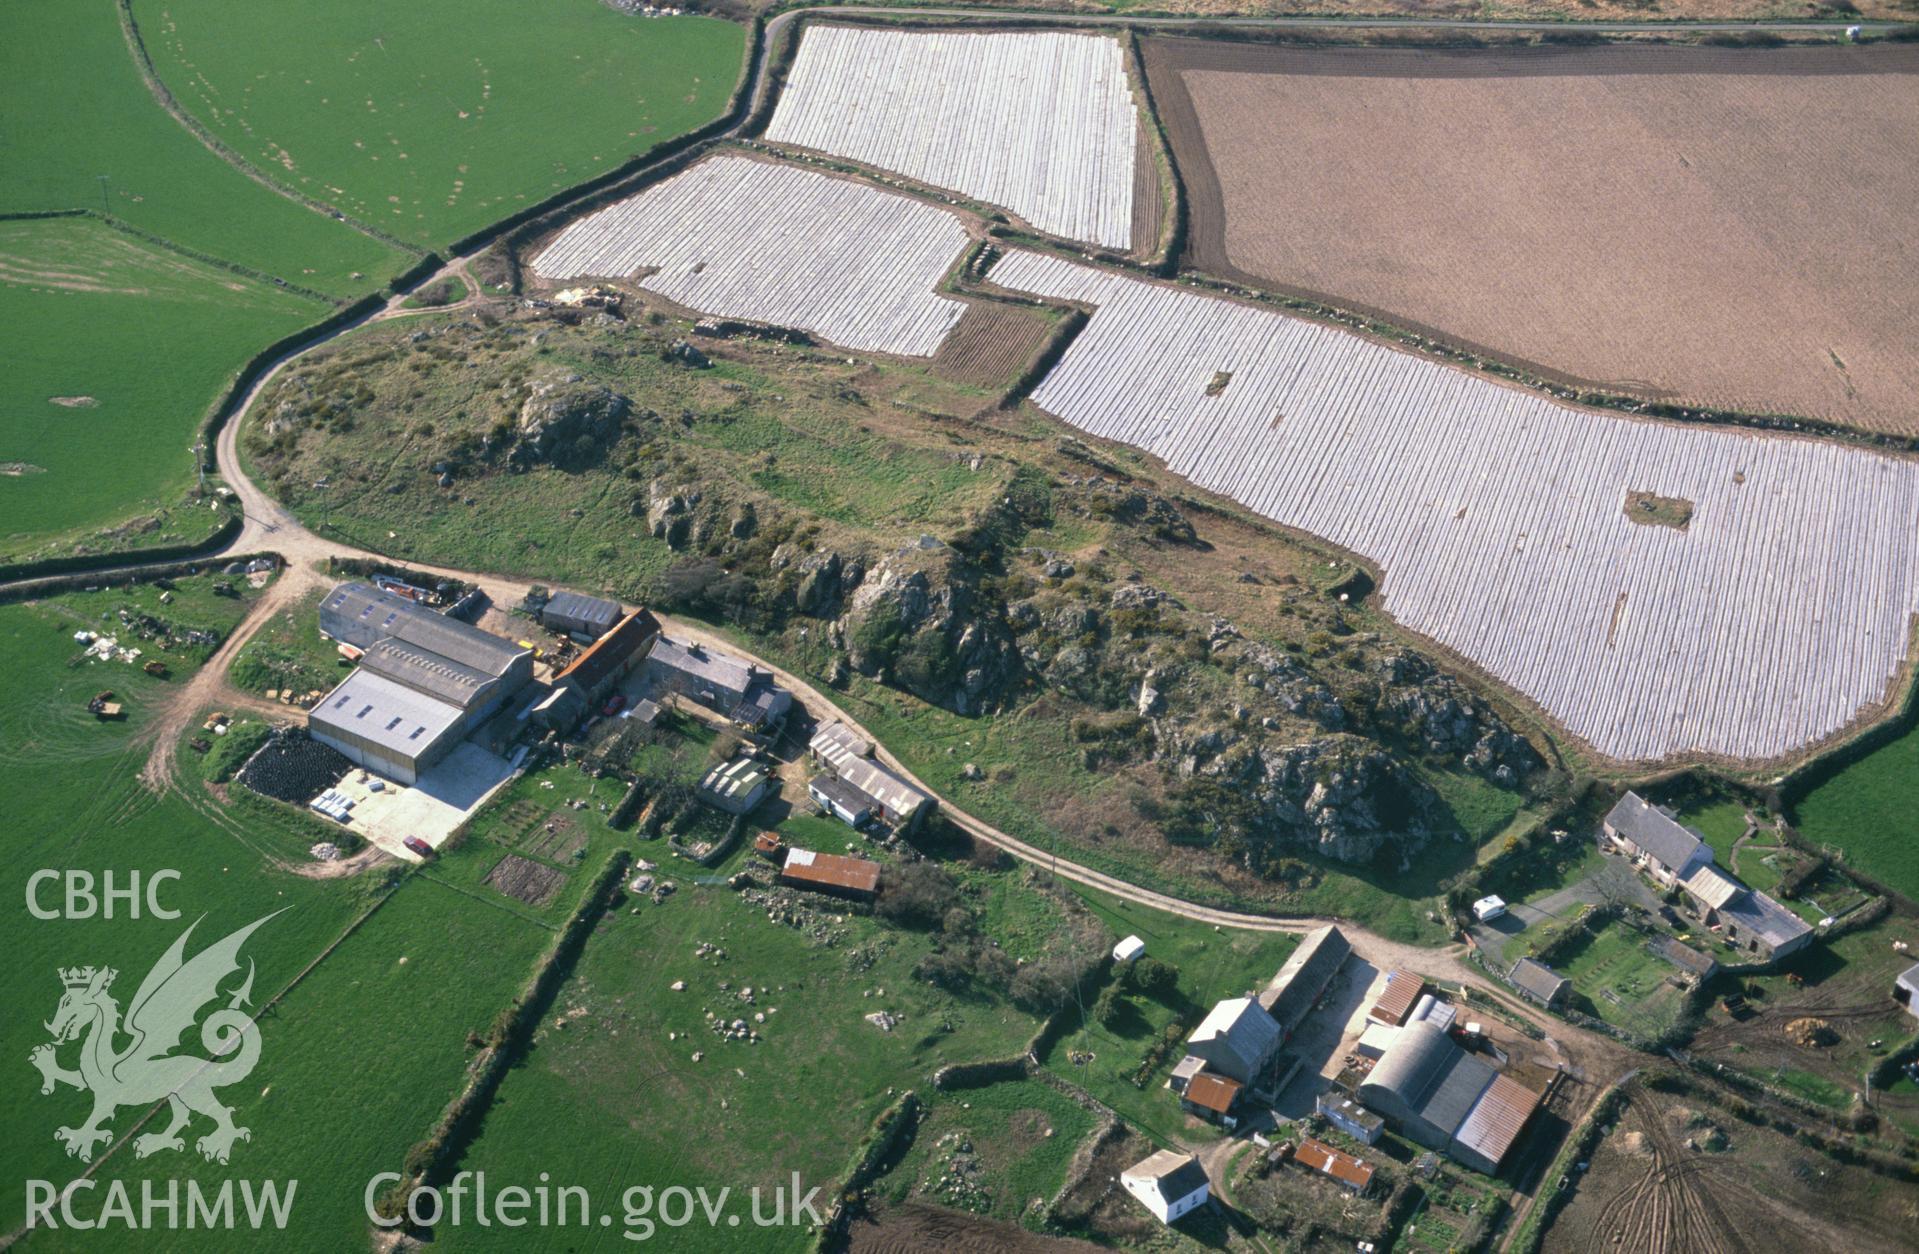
(896,1121)
(431,1161)
(1557,1189)
(51,568)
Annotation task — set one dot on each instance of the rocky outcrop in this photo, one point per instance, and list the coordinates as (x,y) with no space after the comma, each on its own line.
(1437,712)
(916,620)
(567,419)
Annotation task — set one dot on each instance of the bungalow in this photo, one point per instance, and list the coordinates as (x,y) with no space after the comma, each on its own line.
(1538,982)
(1655,840)
(1167,1183)
(1212,1097)
(1353,1174)
(840,799)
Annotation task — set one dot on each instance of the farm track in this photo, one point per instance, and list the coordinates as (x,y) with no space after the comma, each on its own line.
(269,527)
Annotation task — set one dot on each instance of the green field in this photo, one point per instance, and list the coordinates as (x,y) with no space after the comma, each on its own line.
(139,341)
(77,109)
(1867,812)
(1616,978)
(433,119)
(993,1151)
(358,1057)
(1212,965)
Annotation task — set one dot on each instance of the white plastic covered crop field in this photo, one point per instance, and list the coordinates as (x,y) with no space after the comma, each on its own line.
(1770,622)
(1040,123)
(740,238)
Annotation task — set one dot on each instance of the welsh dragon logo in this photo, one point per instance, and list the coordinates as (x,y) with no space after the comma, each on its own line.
(147,1070)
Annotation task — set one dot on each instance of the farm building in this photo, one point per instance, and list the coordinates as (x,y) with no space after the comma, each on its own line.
(1237,1038)
(1349,1116)
(1446,1099)
(831,873)
(1353,1174)
(1658,843)
(847,758)
(901,805)
(836,744)
(1538,982)
(1183,1072)
(1167,1183)
(1756,923)
(1905,990)
(738,691)
(736,786)
(841,800)
(424,681)
(1211,1097)
(599,669)
(1304,978)
(1700,966)
(575,613)
(1396,1002)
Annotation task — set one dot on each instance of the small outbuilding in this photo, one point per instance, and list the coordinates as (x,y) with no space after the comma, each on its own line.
(1211,1096)
(1352,1174)
(1540,983)
(841,800)
(1349,1116)
(736,786)
(1905,990)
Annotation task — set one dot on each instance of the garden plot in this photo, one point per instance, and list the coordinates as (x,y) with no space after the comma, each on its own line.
(1040,123)
(1777,616)
(749,239)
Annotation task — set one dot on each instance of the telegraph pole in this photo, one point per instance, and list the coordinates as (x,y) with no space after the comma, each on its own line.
(105,211)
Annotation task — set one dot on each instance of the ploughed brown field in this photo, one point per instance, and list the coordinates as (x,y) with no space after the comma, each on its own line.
(1736,228)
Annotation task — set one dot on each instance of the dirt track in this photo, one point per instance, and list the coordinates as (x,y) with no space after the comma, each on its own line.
(1749,248)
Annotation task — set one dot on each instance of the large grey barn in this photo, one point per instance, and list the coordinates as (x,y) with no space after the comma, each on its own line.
(424,682)
(1442,1097)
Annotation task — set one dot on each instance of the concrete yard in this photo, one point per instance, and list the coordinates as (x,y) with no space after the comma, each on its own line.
(445,797)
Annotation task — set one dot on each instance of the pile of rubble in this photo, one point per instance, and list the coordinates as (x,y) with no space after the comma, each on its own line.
(1810,1033)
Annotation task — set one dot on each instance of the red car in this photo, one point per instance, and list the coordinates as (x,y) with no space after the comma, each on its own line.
(614,704)
(418,846)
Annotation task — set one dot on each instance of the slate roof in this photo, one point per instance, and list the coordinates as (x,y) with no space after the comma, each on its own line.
(1536,978)
(1245,1029)
(1655,831)
(1304,976)
(1760,915)
(701,669)
(1173,1174)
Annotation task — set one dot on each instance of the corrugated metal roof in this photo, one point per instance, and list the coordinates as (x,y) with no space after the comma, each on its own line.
(1304,976)
(891,793)
(361,609)
(1712,887)
(1765,918)
(596,612)
(735,779)
(1213,1091)
(1340,1166)
(831,870)
(1497,1118)
(1402,990)
(1460,1081)
(838,792)
(836,743)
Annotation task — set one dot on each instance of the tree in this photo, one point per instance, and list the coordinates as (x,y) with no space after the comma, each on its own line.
(1153,978)
(918,893)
